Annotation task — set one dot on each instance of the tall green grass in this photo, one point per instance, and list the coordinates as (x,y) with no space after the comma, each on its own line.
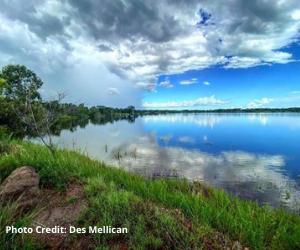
(146,206)
(11,215)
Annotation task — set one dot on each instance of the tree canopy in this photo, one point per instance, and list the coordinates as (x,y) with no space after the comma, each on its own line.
(21,82)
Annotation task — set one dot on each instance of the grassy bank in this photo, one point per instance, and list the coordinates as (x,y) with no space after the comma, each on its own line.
(159,214)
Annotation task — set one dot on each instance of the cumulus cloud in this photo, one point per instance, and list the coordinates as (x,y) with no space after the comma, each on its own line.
(149,84)
(113,91)
(188,82)
(206,83)
(259,103)
(166,83)
(137,42)
(202,101)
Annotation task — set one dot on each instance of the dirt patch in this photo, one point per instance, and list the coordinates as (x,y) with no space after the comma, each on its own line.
(220,241)
(62,209)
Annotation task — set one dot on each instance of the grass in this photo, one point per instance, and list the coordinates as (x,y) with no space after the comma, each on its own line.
(159,214)
(11,215)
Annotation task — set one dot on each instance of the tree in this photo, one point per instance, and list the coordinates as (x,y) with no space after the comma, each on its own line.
(2,102)
(2,84)
(131,110)
(40,118)
(7,116)
(21,83)
(21,89)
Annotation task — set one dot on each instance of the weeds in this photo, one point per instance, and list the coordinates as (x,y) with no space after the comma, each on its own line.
(118,155)
(11,215)
(133,153)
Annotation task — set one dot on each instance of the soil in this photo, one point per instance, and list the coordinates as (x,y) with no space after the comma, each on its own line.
(61,209)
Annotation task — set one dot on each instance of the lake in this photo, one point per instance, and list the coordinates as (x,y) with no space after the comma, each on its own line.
(254,156)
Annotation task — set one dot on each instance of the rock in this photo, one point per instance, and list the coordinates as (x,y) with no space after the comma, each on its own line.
(21,185)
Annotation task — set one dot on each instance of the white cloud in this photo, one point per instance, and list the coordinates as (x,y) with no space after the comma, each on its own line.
(188,82)
(202,101)
(259,103)
(296,15)
(206,83)
(59,36)
(166,83)
(149,84)
(113,91)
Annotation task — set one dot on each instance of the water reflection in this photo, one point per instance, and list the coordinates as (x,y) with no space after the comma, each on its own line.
(186,139)
(256,177)
(262,118)
(254,168)
(200,120)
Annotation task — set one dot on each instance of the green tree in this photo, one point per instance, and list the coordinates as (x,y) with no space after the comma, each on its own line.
(131,110)
(2,84)
(21,86)
(21,83)
(41,117)
(7,116)
(2,102)
(26,105)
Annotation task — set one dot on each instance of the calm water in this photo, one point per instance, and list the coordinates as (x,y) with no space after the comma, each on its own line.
(256,156)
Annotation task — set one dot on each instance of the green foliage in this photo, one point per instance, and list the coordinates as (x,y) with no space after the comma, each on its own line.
(21,82)
(149,226)
(22,107)
(3,84)
(5,145)
(11,215)
(18,86)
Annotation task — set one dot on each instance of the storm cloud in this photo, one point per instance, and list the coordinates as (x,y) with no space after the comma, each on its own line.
(128,44)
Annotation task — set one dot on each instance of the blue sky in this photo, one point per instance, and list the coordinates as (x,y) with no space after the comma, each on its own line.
(158,54)
(270,86)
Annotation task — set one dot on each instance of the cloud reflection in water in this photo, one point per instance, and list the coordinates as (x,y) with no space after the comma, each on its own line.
(251,176)
(168,142)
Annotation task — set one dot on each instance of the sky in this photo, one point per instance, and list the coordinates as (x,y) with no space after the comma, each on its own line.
(158,54)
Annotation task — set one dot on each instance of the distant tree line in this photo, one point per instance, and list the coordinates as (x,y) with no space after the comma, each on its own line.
(235,110)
